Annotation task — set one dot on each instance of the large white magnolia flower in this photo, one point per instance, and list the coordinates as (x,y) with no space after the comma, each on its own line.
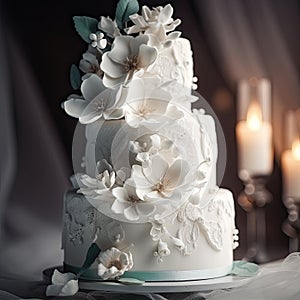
(148,105)
(162,182)
(129,204)
(156,23)
(128,56)
(113,263)
(97,101)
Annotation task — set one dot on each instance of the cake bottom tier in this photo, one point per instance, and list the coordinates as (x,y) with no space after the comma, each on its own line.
(193,243)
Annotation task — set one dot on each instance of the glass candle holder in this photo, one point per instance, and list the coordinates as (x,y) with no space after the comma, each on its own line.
(255,160)
(290,163)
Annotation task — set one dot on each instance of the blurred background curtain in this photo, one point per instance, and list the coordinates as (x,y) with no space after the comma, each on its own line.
(33,174)
(257,38)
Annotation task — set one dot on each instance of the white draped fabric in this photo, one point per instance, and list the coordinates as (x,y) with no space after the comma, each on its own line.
(257,38)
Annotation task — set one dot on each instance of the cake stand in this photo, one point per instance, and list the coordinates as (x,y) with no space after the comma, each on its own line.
(204,285)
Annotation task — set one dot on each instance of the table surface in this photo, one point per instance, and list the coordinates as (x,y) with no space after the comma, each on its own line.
(36,289)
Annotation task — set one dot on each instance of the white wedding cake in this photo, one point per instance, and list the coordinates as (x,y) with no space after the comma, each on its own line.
(144,203)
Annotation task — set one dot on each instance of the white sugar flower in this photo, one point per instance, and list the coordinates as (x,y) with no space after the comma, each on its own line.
(90,64)
(156,22)
(95,187)
(155,145)
(159,181)
(129,56)
(109,26)
(147,106)
(113,263)
(97,102)
(129,204)
(63,284)
(121,175)
(98,40)
(156,231)
(162,250)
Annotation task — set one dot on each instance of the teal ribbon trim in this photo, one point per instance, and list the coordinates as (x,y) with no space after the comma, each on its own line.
(244,268)
(186,275)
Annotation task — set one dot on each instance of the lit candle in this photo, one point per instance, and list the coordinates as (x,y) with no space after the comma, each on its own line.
(254,140)
(290,161)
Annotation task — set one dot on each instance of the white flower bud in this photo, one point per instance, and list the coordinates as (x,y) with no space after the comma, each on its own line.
(162,249)
(93,37)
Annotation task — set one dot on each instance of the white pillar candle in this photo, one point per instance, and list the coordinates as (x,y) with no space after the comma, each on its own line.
(290,161)
(254,140)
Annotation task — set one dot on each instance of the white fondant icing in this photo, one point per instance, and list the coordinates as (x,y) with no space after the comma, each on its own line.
(199,250)
(148,198)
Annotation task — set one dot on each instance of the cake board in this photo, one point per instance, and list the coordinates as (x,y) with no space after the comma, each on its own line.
(203,285)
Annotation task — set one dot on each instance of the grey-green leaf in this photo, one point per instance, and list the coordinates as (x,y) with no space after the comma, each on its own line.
(75,77)
(125,8)
(244,268)
(130,281)
(85,26)
(91,256)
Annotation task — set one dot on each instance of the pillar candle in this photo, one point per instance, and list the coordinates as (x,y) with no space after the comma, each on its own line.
(290,161)
(254,140)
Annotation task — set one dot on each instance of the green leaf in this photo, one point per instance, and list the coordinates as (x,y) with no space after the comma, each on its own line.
(125,8)
(91,256)
(244,268)
(75,77)
(130,281)
(85,26)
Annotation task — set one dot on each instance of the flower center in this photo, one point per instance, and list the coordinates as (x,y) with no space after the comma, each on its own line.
(145,109)
(115,263)
(131,64)
(159,187)
(100,106)
(133,199)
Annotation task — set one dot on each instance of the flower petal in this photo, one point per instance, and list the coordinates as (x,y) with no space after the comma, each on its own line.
(110,67)
(59,278)
(70,289)
(165,14)
(120,193)
(136,43)
(145,209)
(120,49)
(177,173)
(75,106)
(131,214)
(113,114)
(111,82)
(118,207)
(86,180)
(91,87)
(156,170)
(147,56)
(90,117)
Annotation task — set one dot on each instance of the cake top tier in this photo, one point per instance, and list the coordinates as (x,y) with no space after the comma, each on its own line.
(130,47)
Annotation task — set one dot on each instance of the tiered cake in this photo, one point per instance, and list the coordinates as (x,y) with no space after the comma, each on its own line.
(145,203)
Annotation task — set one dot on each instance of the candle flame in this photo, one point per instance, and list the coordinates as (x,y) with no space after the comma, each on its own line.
(254,116)
(296,149)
